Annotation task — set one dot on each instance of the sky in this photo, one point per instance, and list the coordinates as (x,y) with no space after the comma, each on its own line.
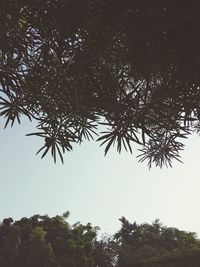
(95,188)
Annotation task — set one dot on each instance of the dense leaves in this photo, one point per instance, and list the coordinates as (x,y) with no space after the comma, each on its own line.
(156,246)
(133,65)
(41,241)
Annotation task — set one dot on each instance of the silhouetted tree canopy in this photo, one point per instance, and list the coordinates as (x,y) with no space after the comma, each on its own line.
(131,65)
(41,241)
(155,245)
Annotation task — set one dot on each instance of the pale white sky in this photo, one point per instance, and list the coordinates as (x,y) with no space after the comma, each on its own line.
(95,188)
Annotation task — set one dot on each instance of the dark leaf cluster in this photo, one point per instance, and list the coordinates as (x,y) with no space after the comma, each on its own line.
(133,65)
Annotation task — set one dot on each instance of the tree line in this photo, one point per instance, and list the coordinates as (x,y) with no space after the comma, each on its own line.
(43,241)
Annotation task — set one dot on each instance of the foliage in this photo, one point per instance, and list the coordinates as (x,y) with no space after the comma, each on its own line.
(41,241)
(133,65)
(105,252)
(156,246)
(44,242)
